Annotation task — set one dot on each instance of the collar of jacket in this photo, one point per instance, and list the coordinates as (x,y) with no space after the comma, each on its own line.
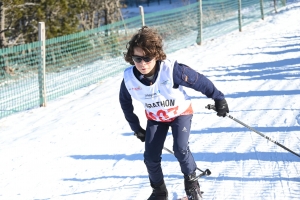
(145,81)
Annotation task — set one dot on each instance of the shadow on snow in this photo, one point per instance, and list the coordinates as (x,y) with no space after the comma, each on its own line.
(203,157)
(219,178)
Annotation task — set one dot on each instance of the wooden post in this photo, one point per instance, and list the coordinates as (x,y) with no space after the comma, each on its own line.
(125,28)
(2,26)
(199,36)
(262,9)
(142,15)
(92,20)
(42,66)
(240,15)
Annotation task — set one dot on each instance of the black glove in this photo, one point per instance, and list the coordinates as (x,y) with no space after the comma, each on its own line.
(140,134)
(221,107)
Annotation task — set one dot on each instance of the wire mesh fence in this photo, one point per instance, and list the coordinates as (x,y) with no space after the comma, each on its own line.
(78,60)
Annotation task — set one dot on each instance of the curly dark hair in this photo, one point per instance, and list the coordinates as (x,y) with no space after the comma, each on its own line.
(147,39)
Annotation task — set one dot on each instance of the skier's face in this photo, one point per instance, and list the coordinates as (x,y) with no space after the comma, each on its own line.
(144,64)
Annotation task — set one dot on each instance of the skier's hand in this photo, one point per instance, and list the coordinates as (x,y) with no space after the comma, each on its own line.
(140,134)
(221,107)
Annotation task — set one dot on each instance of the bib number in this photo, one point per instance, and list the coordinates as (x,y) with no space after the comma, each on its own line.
(162,115)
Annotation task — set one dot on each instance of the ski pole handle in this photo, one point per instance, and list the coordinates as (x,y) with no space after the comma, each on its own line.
(211,107)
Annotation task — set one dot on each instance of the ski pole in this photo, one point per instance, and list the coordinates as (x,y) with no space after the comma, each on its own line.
(209,106)
(207,172)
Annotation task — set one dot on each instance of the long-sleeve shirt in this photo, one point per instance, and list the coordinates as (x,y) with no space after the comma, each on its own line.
(182,75)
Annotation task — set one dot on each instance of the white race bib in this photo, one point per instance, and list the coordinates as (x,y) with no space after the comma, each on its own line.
(161,101)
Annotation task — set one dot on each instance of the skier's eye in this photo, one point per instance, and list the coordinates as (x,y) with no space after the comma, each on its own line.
(139,59)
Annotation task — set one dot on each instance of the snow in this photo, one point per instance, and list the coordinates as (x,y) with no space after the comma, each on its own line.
(81,147)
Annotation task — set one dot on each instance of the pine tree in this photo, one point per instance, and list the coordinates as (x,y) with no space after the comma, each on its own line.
(100,12)
(60,16)
(21,17)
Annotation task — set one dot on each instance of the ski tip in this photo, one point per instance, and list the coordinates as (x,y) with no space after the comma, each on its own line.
(183,198)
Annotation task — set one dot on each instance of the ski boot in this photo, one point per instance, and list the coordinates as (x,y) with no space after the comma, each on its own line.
(192,188)
(159,192)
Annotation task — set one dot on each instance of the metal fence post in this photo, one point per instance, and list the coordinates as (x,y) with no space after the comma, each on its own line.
(262,9)
(42,65)
(275,6)
(199,36)
(240,15)
(142,15)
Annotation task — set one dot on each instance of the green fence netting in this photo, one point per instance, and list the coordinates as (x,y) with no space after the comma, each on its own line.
(78,60)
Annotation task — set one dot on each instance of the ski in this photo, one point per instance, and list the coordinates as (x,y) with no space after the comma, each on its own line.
(185,198)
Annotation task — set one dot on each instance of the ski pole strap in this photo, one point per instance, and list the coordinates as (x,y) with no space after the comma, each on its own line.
(209,107)
(207,172)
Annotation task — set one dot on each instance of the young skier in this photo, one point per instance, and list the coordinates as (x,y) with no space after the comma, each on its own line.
(158,83)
